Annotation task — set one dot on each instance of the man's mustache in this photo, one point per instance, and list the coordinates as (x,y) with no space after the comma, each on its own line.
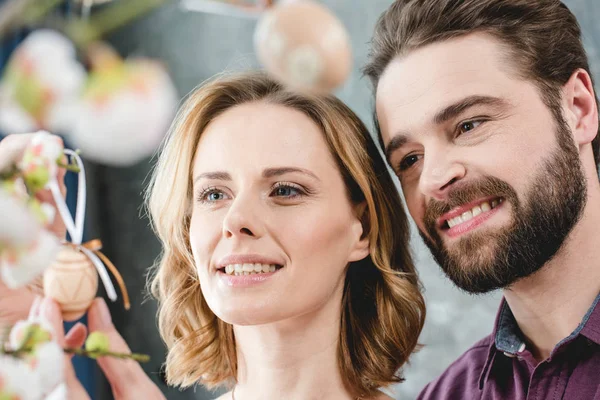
(463,193)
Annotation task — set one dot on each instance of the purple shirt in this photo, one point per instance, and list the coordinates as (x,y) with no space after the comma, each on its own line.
(501,367)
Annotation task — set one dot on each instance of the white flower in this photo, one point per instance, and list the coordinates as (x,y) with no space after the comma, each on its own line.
(18,226)
(26,248)
(18,380)
(123,125)
(43,151)
(13,118)
(42,355)
(42,330)
(22,265)
(43,78)
(60,393)
(44,361)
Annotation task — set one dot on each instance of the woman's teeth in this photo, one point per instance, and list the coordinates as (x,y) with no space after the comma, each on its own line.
(249,269)
(475,211)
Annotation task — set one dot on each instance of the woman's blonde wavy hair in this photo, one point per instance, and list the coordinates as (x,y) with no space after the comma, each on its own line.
(383,309)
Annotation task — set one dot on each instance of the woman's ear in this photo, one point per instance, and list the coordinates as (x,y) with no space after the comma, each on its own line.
(361,229)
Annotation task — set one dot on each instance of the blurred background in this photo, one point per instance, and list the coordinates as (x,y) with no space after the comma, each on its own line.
(177,45)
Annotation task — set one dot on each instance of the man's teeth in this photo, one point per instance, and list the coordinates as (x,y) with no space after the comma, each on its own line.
(475,211)
(249,269)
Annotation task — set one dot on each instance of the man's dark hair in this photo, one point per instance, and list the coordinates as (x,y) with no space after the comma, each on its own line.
(541,37)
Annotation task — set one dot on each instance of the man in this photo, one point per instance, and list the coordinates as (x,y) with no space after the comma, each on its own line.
(487,113)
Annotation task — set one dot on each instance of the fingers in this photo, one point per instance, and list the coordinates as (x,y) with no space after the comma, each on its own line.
(35,307)
(76,336)
(122,374)
(50,310)
(15,304)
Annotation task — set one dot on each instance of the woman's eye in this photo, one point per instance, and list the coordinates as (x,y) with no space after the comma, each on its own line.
(211,196)
(468,126)
(409,161)
(215,196)
(286,191)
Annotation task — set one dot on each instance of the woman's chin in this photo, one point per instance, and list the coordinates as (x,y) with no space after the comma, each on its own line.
(247,315)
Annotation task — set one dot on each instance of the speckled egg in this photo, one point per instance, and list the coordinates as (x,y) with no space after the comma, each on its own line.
(302,44)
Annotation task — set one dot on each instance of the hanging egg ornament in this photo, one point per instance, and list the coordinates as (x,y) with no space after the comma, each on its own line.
(72,281)
(304,45)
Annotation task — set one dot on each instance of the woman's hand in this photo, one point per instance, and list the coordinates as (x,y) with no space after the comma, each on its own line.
(15,304)
(126,377)
(50,311)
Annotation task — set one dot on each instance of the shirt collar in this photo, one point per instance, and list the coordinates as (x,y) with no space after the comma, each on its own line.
(506,337)
(590,324)
(509,339)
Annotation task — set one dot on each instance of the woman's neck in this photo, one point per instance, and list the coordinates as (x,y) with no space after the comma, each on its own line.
(292,359)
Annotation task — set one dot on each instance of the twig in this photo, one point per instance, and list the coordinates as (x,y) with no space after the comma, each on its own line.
(84,32)
(96,354)
(16,13)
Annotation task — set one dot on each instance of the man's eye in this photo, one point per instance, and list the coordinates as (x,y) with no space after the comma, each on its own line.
(468,126)
(409,161)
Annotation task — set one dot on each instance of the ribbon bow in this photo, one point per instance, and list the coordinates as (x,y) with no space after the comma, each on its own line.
(75,228)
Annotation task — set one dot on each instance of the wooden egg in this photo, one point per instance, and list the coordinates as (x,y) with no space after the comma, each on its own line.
(302,44)
(72,281)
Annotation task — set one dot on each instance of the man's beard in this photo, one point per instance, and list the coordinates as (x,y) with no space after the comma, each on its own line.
(484,261)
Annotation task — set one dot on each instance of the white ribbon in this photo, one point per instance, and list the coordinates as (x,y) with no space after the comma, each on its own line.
(75,228)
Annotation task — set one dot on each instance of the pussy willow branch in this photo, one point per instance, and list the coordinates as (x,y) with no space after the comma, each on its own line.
(16,14)
(23,350)
(96,354)
(19,350)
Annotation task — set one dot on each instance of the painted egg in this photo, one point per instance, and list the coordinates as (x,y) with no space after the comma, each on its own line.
(72,281)
(304,45)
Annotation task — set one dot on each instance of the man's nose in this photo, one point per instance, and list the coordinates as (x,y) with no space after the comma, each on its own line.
(440,172)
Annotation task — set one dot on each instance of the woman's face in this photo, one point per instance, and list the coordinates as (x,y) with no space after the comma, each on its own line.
(272,228)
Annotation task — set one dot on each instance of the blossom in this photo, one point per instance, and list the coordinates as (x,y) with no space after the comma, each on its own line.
(32,343)
(17,380)
(125,111)
(42,81)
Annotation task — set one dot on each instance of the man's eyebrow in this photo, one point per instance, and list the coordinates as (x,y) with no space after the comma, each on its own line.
(217,175)
(446,114)
(272,172)
(397,141)
(460,106)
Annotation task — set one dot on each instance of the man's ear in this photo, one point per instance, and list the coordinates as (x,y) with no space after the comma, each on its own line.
(361,229)
(581,110)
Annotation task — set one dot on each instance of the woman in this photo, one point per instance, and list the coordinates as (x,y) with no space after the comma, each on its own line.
(290,190)
(286,271)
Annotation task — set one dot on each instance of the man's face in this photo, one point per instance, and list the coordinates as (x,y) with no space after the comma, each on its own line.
(491,177)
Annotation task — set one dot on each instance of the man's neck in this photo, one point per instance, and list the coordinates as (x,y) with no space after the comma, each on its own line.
(549,305)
